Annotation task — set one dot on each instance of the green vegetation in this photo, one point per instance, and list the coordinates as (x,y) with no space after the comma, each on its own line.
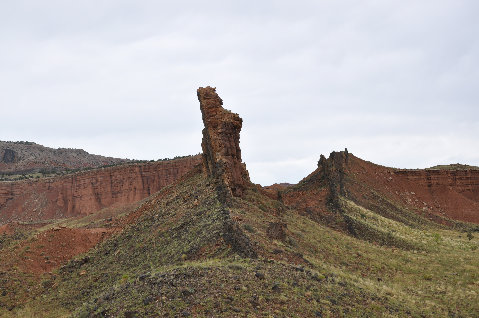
(184,253)
(456,166)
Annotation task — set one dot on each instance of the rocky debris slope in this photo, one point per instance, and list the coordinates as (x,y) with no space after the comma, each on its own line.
(221,150)
(89,191)
(27,157)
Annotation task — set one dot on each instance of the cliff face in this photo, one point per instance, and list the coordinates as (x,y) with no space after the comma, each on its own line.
(221,151)
(462,181)
(452,194)
(87,192)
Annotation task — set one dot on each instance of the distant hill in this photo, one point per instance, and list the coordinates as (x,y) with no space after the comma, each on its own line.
(23,157)
(455,166)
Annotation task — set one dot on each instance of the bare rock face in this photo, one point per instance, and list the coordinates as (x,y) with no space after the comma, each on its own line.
(87,192)
(334,170)
(221,150)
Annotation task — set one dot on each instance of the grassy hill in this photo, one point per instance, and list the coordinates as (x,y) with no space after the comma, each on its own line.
(189,250)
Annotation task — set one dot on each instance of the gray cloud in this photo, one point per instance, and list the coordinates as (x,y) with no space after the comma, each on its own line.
(394,81)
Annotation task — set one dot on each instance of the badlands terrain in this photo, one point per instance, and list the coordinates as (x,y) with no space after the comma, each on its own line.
(88,236)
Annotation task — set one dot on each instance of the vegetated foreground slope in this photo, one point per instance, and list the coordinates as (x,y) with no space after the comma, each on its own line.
(24,157)
(212,244)
(187,253)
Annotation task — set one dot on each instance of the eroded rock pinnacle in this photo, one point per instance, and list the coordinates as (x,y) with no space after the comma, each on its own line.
(221,150)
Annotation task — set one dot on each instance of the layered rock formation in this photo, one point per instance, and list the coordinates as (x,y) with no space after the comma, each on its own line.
(450,193)
(438,195)
(221,151)
(434,193)
(87,192)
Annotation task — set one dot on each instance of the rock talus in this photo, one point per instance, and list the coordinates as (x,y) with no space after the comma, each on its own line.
(221,150)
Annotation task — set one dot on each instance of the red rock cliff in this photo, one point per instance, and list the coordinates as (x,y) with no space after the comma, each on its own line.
(221,150)
(87,192)
(449,193)
(435,194)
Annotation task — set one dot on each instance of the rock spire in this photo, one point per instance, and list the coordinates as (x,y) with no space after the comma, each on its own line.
(221,150)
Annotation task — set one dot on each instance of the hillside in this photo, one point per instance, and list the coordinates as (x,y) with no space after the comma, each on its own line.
(23,157)
(349,240)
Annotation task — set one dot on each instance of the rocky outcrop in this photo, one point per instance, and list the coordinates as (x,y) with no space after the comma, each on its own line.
(277,230)
(333,170)
(86,192)
(221,151)
(9,156)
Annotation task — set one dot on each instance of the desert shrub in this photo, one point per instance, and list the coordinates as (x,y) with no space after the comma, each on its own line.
(249,228)
(469,235)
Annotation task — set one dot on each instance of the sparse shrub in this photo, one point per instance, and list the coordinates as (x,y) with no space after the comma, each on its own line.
(469,235)
(291,242)
(249,228)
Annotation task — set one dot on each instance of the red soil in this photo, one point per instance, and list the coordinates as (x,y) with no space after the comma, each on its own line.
(52,248)
(10,228)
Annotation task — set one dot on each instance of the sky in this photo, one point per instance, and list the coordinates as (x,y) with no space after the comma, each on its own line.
(395,82)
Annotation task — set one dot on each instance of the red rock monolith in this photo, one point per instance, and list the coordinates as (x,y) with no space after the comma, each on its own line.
(221,150)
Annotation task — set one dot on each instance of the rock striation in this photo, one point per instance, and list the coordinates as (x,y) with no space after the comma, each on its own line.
(221,137)
(89,191)
(450,193)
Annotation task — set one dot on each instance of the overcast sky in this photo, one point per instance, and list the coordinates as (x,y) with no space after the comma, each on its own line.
(396,82)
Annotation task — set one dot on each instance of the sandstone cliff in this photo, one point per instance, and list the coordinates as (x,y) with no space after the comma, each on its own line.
(87,192)
(221,151)
(450,193)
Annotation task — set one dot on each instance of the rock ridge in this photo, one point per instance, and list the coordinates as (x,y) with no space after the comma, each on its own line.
(334,170)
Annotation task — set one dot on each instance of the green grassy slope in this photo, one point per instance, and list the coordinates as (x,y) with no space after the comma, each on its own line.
(189,253)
